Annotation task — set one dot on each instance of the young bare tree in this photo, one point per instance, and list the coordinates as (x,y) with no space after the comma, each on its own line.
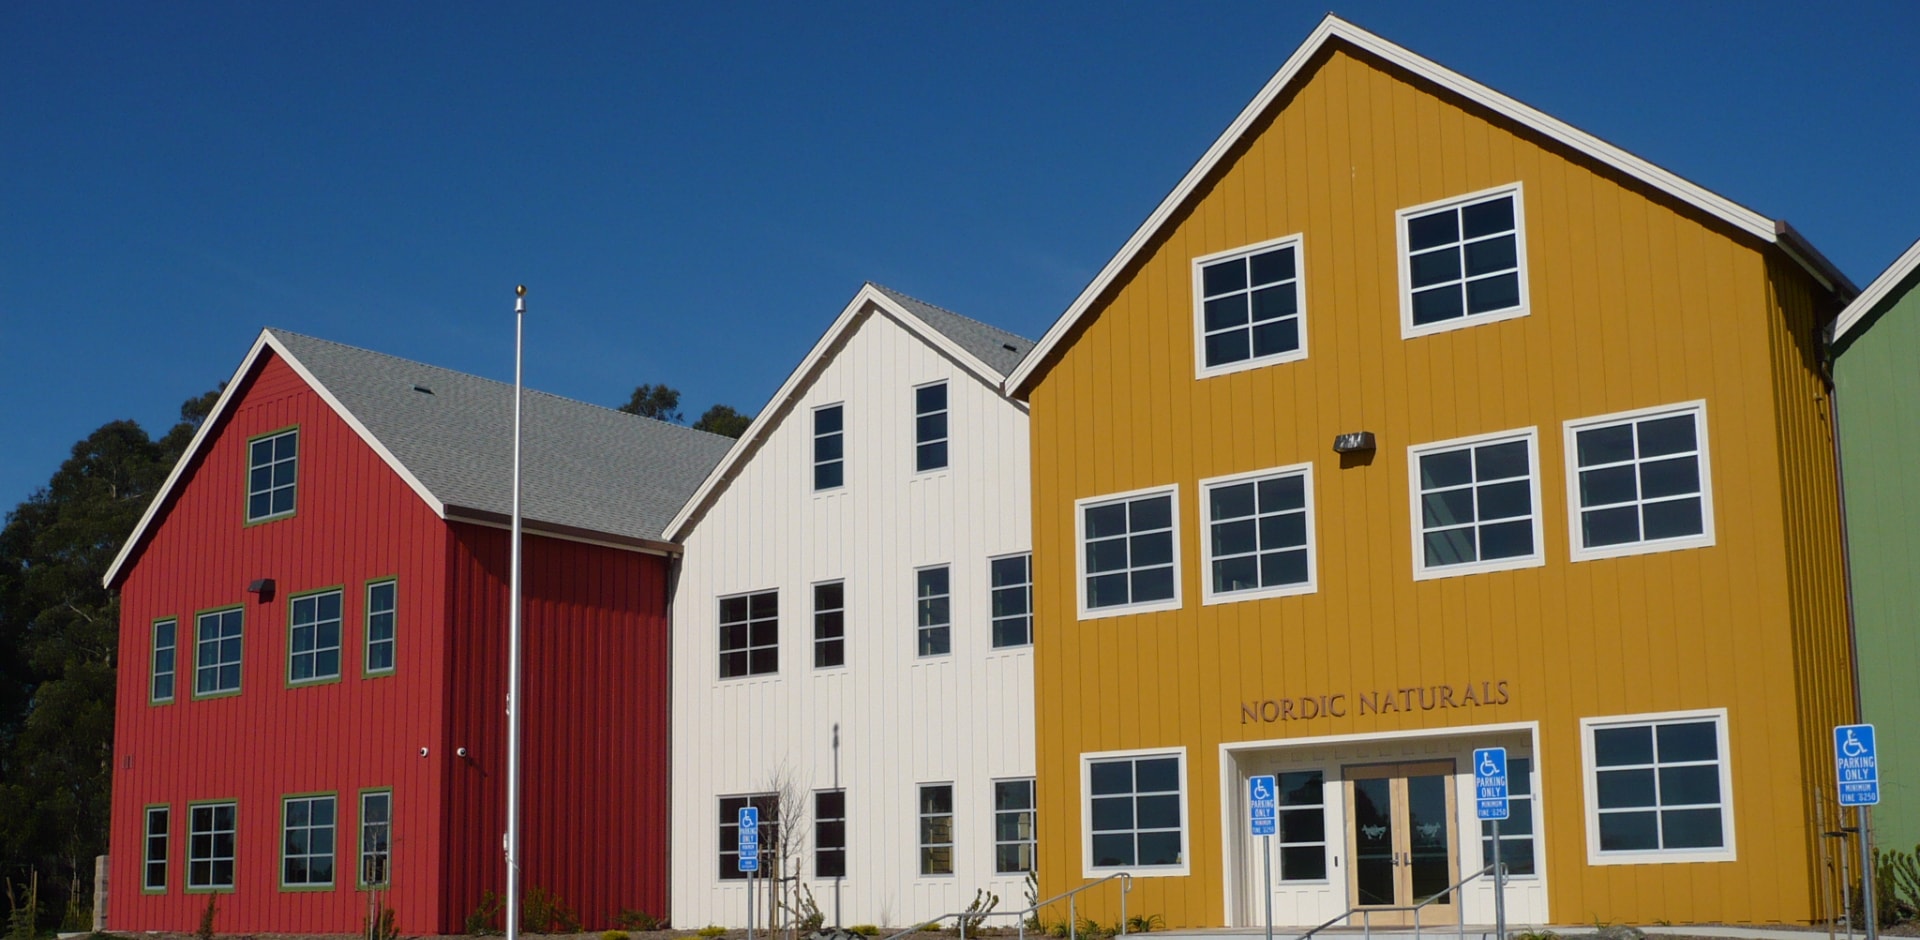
(785,907)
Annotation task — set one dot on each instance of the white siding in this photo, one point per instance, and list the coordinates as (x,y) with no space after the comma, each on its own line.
(966,718)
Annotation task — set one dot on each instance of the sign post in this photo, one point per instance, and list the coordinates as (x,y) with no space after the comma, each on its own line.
(1263,812)
(1856,764)
(749,854)
(1490,798)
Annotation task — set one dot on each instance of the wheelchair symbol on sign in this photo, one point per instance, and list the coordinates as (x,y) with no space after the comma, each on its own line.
(1487,767)
(1260,790)
(1852,747)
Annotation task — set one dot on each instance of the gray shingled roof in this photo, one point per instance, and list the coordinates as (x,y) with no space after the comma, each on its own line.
(584,466)
(994,346)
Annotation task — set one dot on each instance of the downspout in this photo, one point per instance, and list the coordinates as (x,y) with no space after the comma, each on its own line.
(672,588)
(1846,546)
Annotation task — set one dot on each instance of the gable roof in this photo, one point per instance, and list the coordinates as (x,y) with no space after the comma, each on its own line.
(1332,29)
(586,470)
(1897,273)
(985,351)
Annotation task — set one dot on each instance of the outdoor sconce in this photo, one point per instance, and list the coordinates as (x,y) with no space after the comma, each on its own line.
(1353,443)
(262,588)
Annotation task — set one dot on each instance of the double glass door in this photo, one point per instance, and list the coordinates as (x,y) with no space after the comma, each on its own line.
(1402,840)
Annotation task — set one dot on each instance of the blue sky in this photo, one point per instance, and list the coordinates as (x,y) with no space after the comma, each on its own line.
(693,191)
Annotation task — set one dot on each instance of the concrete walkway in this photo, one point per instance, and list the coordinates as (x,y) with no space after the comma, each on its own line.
(1486,932)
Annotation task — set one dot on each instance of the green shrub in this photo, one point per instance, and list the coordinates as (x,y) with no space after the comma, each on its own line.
(380,925)
(543,912)
(634,919)
(1145,924)
(865,930)
(206,919)
(484,919)
(615,935)
(711,930)
(1058,929)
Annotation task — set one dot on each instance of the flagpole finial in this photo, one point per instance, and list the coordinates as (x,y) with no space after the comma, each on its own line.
(520,291)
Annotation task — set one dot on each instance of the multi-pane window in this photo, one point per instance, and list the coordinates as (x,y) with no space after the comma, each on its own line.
(730,807)
(271,465)
(1476,505)
(1134,812)
(829,624)
(306,856)
(1013,826)
(1516,831)
(930,427)
(829,833)
(1127,552)
(936,829)
(166,642)
(750,634)
(1463,261)
(313,650)
(1250,305)
(1641,482)
(933,610)
(159,828)
(829,447)
(216,662)
(382,605)
(1012,600)
(1303,826)
(210,828)
(376,837)
(1658,786)
(1257,535)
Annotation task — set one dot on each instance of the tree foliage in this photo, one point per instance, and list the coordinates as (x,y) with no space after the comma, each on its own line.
(655,401)
(724,421)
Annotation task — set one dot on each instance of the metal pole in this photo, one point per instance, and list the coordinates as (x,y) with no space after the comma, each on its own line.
(1846,879)
(1499,888)
(750,875)
(1872,913)
(1266,885)
(513,644)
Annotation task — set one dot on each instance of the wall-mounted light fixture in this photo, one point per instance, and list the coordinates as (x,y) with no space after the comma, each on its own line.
(262,588)
(1353,442)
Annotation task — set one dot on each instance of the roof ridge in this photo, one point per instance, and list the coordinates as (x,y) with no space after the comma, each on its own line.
(879,286)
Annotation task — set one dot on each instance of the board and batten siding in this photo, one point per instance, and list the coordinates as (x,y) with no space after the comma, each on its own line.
(901,720)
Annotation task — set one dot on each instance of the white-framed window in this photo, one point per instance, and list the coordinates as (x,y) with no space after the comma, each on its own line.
(936,829)
(210,829)
(1014,830)
(383,603)
(1257,534)
(159,829)
(750,634)
(1516,831)
(165,663)
(730,807)
(930,427)
(829,833)
(1476,504)
(1659,788)
(933,610)
(1303,825)
(829,624)
(1136,811)
(216,660)
(306,841)
(1129,559)
(272,465)
(1249,307)
(1638,481)
(1012,600)
(313,643)
(376,837)
(829,447)
(1463,261)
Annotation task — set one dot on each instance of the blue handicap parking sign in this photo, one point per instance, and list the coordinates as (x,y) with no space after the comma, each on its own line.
(1490,782)
(749,838)
(1263,800)
(1857,765)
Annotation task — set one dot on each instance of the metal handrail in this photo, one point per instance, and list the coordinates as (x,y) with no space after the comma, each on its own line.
(1366,913)
(961,917)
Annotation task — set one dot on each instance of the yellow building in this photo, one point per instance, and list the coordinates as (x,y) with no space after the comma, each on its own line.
(1413,421)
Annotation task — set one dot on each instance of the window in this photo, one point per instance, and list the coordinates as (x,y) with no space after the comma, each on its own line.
(1516,831)
(1303,826)
(216,664)
(936,829)
(1462,262)
(1658,789)
(1639,482)
(313,651)
(1476,505)
(930,427)
(829,447)
(730,807)
(382,604)
(1259,540)
(750,634)
(1012,601)
(1013,826)
(165,643)
(270,475)
(1127,559)
(830,833)
(376,837)
(210,828)
(1134,811)
(933,610)
(154,872)
(306,856)
(829,624)
(1249,306)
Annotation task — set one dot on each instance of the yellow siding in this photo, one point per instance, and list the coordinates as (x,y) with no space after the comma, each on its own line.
(1635,302)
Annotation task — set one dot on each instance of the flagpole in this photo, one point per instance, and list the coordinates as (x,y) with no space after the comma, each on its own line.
(513,645)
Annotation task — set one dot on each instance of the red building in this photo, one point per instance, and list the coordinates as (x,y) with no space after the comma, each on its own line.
(313,652)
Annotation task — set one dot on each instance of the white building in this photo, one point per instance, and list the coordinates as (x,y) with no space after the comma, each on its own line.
(852,620)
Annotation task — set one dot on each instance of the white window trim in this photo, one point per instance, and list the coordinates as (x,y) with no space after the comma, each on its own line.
(813,624)
(813,449)
(1588,776)
(1087,760)
(951,613)
(1407,328)
(914,432)
(1200,368)
(719,654)
(993,829)
(1533,798)
(1207,594)
(1014,648)
(953,832)
(1539,557)
(1698,408)
(1172,490)
(1329,778)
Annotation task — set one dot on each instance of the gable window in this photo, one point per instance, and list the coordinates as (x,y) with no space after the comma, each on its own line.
(1462,261)
(159,828)
(1249,306)
(829,624)
(1012,600)
(1258,534)
(165,646)
(829,833)
(271,468)
(933,610)
(216,663)
(750,634)
(829,447)
(314,646)
(210,828)
(1658,788)
(1135,812)
(936,829)
(1013,826)
(1303,826)
(930,427)
(382,604)
(1639,482)
(376,837)
(306,858)
(730,807)
(1516,831)
(1127,557)
(1476,505)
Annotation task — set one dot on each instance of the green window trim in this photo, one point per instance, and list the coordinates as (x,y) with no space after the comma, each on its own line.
(367,671)
(333,827)
(339,647)
(188,886)
(146,848)
(153,662)
(240,683)
(292,485)
(360,836)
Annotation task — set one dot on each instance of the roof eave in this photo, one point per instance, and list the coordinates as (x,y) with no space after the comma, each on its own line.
(1877,292)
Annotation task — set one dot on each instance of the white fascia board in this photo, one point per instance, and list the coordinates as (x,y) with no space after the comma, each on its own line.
(1877,291)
